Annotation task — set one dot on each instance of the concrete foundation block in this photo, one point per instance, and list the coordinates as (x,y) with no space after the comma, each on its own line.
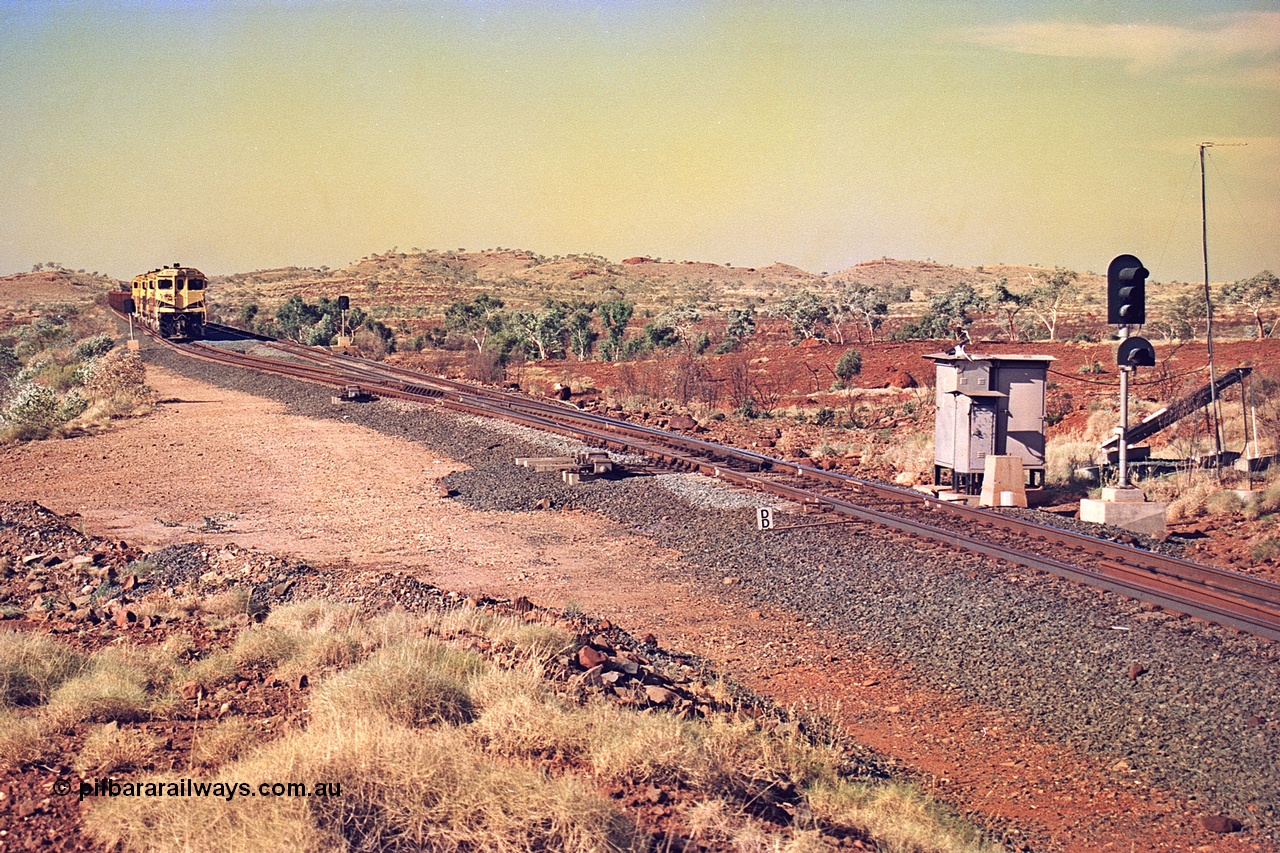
(1148,517)
(1003,482)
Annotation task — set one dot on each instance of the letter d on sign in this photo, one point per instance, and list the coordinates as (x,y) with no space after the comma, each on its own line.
(764,518)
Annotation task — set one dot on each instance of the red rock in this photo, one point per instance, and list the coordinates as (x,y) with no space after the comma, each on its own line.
(191,690)
(902,379)
(1220,823)
(604,625)
(589,657)
(628,667)
(1136,670)
(649,640)
(300,682)
(682,423)
(125,618)
(659,695)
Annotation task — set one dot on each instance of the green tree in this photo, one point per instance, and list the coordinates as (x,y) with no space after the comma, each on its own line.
(950,314)
(849,366)
(542,332)
(9,361)
(661,334)
(807,313)
(296,318)
(1010,303)
(248,314)
(582,337)
(742,323)
(1184,318)
(1255,293)
(615,314)
(682,318)
(1049,300)
(477,319)
(870,305)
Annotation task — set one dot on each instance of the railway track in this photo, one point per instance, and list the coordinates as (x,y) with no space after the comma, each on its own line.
(1215,595)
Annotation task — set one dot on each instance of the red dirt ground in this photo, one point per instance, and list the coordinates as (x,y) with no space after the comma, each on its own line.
(287,502)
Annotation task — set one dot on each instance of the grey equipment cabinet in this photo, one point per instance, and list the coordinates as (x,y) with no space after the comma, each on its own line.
(988,405)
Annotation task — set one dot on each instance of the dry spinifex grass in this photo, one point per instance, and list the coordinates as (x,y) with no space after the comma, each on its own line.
(438,747)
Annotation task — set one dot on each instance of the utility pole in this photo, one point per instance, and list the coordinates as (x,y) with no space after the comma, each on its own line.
(1208,304)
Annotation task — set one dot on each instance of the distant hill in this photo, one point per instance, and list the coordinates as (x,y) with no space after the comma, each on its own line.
(521,278)
(425,281)
(41,287)
(418,285)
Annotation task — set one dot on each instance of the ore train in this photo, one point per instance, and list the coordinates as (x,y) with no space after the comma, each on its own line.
(169,300)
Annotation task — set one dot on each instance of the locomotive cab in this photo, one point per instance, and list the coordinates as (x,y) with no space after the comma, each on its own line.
(171,301)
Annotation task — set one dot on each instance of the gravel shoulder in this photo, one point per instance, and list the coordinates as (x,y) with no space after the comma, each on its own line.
(1009,694)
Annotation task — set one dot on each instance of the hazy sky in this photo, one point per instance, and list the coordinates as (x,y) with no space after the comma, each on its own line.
(240,135)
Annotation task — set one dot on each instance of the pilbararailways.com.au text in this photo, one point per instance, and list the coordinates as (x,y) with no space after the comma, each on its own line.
(199,788)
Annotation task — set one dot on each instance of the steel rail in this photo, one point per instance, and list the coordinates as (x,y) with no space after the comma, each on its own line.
(1260,617)
(1215,595)
(1250,589)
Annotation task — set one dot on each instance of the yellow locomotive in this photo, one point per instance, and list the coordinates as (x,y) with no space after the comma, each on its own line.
(171,301)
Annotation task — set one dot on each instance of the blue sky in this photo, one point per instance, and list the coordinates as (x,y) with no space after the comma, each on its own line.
(236,136)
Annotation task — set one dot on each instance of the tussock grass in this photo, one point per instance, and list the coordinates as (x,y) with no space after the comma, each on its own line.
(331,650)
(213,670)
(315,617)
(532,641)
(120,684)
(441,748)
(1063,455)
(32,666)
(401,790)
(1197,494)
(229,602)
(109,748)
(226,742)
(23,739)
(1269,500)
(413,683)
(264,647)
(525,722)
(912,454)
(901,819)
(102,696)
(179,646)
(634,750)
